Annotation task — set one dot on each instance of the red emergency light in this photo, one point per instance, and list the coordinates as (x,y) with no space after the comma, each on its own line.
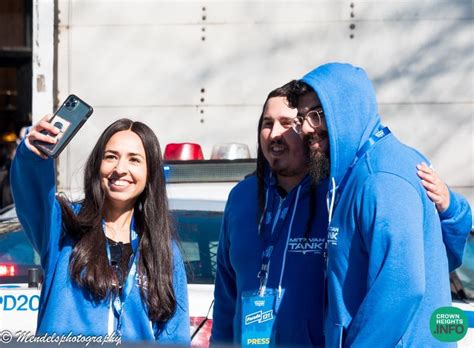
(7,270)
(183,152)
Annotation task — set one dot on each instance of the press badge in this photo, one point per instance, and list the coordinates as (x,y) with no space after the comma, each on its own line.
(258,318)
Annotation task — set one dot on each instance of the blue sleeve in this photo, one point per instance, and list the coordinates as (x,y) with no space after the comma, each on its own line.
(225,293)
(33,185)
(177,329)
(390,220)
(456,223)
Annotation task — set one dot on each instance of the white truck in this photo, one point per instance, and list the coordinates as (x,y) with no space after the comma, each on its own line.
(199,71)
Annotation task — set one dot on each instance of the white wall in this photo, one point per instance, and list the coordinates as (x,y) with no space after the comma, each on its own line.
(43,58)
(147,60)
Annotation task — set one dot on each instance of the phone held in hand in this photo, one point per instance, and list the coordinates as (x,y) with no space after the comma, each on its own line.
(69,118)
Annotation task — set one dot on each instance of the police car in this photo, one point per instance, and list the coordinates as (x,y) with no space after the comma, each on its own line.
(197,192)
(462,289)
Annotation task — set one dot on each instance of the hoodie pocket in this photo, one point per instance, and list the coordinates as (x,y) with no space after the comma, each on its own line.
(299,333)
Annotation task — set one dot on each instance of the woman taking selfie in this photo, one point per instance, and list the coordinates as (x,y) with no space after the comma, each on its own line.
(111,263)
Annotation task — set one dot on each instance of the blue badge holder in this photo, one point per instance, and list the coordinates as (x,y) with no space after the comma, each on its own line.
(258,318)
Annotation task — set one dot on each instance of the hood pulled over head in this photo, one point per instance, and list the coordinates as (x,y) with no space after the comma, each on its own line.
(350,108)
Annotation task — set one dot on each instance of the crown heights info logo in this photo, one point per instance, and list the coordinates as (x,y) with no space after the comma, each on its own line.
(448,324)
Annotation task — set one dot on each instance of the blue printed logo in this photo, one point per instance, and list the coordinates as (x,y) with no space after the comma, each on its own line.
(306,245)
(19,303)
(332,235)
(259,317)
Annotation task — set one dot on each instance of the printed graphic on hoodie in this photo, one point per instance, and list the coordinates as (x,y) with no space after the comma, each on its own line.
(306,245)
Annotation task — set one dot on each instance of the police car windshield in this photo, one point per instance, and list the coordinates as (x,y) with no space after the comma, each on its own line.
(16,254)
(466,271)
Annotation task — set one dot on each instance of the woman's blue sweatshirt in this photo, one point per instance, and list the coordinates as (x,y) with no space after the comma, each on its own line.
(388,268)
(64,306)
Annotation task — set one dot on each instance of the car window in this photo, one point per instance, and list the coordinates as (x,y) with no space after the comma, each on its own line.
(16,251)
(15,248)
(198,232)
(466,271)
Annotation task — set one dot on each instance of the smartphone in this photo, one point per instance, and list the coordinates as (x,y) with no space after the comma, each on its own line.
(69,118)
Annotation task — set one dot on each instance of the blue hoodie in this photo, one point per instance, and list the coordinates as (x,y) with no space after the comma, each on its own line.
(296,264)
(64,306)
(387,264)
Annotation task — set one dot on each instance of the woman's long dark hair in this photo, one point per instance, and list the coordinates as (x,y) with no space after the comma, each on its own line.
(291,92)
(89,266)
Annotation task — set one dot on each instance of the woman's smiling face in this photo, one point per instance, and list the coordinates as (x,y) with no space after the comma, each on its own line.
(123,169)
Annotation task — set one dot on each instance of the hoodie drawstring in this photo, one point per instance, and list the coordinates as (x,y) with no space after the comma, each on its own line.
(330,203)
(287,241)
(266,258)
(263,212)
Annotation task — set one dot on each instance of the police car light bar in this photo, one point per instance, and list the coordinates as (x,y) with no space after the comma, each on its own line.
(193,152)
(184,163)
(183,152)
(7,270)
(230,151)
(209,170)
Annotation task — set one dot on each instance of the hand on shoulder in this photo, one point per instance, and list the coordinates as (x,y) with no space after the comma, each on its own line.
(435,188)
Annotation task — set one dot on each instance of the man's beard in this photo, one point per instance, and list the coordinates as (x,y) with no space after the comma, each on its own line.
(286,170)
(319,164)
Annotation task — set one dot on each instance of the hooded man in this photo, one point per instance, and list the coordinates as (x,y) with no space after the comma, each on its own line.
(387,266)
(270,259)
